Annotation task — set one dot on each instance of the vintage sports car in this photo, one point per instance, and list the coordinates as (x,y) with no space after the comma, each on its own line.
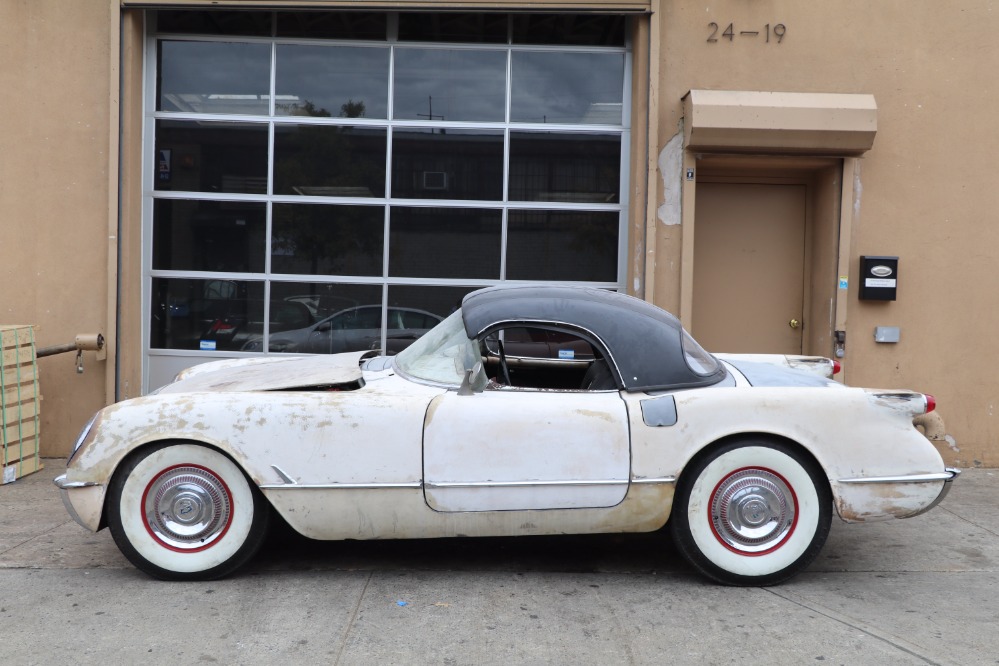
(530,410)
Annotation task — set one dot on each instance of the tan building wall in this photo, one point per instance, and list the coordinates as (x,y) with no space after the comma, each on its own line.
(58,194)
(924,191)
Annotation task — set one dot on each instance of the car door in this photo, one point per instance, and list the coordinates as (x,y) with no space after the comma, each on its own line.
(516,449)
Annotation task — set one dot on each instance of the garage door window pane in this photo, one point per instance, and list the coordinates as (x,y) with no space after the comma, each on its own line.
(445,242)
(209,235)
(206,315)
(332,25)
(450,84)
(480,28)
(584,88)
(574,29)
(573,168)
(213,77)
(324,161)
(447,164)
(215,23)
(562,245)
(345,317)
(211,157)
(331,81)
(313,239)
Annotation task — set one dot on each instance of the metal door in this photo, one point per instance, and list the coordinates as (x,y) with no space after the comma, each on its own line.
(509,449)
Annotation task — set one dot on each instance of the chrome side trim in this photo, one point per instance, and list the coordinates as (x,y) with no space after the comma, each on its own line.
(525,484)
(292,485)
(949,475)
(62,483)
(340,486)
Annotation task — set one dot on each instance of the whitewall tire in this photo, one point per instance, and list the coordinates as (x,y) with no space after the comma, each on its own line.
(751,512)
(182,511)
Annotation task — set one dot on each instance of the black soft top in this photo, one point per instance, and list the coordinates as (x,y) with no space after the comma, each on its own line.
(644,342)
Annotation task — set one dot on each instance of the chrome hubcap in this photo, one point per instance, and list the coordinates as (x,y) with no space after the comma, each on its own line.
(753,511)
(187,507)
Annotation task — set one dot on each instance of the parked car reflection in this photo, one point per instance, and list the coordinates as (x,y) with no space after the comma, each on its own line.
(352,329)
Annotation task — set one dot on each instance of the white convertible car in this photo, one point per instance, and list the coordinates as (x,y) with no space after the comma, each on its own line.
(530,410)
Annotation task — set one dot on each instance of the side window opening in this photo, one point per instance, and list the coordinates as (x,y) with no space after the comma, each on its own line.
(541,358)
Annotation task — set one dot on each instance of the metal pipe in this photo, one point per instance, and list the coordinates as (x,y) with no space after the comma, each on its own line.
(91,342)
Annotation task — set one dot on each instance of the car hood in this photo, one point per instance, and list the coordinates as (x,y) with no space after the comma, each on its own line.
(269,373)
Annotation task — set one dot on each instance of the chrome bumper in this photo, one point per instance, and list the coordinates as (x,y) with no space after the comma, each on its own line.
(952,473)
(947,476)
(90,504)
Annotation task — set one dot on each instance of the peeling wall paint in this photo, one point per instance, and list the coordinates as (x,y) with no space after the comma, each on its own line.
(858,190)
(670,167)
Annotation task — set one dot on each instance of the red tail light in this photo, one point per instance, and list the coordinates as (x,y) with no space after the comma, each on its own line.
(837,366)
(931,403)
(220,326)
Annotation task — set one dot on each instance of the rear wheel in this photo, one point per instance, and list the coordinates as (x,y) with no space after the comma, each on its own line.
(751,513)
(185,512)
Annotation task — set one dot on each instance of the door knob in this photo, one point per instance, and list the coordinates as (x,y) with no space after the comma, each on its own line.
(794,323)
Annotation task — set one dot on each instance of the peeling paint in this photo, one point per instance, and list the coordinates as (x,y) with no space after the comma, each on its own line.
(858,190)
(671,168)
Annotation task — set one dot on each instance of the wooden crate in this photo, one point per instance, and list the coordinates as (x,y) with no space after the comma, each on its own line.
(19,402)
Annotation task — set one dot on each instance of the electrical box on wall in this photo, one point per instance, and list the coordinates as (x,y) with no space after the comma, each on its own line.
(878,278)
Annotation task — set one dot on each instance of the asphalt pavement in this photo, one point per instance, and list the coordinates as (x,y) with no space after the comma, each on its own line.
(918,591)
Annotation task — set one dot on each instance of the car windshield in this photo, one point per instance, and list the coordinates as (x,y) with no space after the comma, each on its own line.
(442,355)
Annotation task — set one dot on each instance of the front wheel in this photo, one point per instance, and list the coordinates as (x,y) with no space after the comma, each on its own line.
(185,512)
(751,513)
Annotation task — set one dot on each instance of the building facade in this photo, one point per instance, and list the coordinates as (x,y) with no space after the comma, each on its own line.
(203,180)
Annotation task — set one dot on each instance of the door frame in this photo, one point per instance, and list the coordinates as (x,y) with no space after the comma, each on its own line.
(826,231)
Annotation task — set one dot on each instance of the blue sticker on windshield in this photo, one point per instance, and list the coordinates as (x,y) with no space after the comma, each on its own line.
(566,353)
(208,345)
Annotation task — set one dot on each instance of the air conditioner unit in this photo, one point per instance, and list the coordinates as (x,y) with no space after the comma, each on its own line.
(435,180)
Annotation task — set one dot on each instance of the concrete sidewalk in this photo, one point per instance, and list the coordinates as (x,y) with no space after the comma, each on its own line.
(917,591)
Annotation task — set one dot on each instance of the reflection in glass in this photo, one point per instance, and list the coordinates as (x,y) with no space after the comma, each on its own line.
(194,156)
(415,310)
(204,314)
(478,27)
(562,245)
(447,164)
(331,81)
(451,84)
(343,317)
(315,239)
(327,161)
(444,242)
(574,168)
(213,77)
(440,301)
(209,235)
(552,87)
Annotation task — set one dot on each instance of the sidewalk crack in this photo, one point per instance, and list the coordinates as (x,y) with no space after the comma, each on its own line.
(892,640)
(353,617)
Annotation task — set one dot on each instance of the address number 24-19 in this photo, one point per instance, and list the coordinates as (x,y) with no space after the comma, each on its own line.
(770,32)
